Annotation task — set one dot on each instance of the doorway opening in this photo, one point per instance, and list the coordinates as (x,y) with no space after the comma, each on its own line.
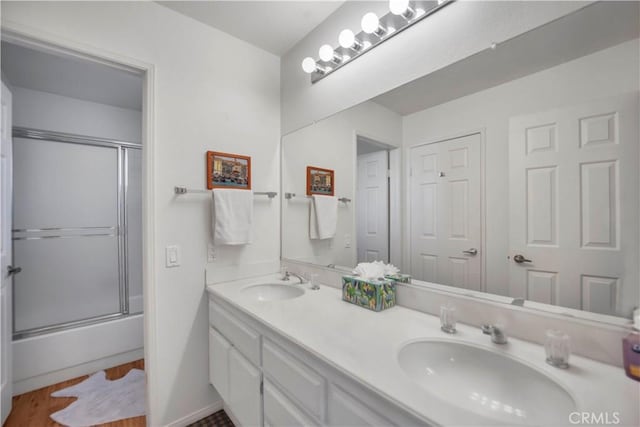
(72,216)
(376,189)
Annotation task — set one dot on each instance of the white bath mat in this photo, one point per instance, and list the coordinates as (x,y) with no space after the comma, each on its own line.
(102,401)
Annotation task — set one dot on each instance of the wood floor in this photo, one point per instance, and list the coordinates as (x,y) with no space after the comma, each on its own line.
(33,409)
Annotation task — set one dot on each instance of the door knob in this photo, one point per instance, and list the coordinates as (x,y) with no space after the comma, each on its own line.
(472,251)
(520,259)
(11,270)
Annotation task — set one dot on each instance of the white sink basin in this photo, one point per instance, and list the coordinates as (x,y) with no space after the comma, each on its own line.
(272,291)
(487,383)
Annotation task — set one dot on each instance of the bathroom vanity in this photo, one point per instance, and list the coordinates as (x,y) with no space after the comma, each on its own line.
(283,354)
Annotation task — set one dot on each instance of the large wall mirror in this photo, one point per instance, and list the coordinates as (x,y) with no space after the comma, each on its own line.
(513,172)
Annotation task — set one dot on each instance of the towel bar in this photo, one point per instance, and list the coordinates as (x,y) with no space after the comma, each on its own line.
(290,196)
(185,190)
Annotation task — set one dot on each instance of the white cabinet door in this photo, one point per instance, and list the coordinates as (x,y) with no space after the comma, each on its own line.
(245,399)
(219,363)
(574,206)
(445,212)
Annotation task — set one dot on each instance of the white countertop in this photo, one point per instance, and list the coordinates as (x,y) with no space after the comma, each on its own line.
(364,345)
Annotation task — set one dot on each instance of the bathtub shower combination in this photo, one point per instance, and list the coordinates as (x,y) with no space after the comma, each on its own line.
(77,230)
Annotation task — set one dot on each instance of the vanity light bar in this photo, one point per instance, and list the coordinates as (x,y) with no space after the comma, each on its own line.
(403,14)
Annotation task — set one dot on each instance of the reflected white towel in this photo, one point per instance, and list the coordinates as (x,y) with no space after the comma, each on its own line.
(323,217)
(232,216)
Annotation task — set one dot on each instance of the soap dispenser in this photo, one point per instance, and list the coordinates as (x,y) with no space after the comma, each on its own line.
(631,349)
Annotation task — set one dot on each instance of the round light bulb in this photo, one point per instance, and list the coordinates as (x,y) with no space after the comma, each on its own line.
(370,23)
(309,65)
(398,7)
(326,52)
(346,38)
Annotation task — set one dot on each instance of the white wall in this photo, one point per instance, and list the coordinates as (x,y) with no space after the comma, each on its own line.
(329,144)
(47,111)
(604,73)
(459,30)
(211,92)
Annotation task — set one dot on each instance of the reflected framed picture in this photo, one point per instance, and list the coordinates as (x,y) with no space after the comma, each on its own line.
(320,181)
(226,170)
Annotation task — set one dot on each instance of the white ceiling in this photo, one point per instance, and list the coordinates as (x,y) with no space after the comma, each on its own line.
(275,26)
(72,77)
(595,27)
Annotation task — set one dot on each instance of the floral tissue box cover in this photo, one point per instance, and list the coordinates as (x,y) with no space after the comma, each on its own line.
(400,278)
(375,295)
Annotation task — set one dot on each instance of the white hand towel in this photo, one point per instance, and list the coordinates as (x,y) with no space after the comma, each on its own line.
(323,217)
(232,216)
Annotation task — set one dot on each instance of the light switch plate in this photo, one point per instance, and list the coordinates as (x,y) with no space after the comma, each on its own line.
(172,256)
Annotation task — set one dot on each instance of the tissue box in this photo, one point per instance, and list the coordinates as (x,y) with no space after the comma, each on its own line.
(400,278)
(376,295)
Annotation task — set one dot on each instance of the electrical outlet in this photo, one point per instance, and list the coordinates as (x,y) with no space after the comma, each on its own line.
(347,240)
(211,252)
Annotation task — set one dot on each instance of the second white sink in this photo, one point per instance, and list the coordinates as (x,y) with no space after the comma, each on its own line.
(272,291)
(487,383)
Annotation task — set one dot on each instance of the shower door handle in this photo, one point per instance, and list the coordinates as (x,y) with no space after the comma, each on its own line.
(12,271)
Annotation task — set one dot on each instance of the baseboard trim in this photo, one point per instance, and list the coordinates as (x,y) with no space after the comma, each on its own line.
(197,415)
(231,415)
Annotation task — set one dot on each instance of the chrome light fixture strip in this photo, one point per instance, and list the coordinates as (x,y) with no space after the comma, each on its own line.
(329,67)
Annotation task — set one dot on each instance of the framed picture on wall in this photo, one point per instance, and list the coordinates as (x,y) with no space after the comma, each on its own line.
(226,170)
(320,181)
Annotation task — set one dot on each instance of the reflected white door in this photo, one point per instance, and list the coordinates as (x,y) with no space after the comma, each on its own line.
(373,207)
(6,316)
(574,206)
(445,233)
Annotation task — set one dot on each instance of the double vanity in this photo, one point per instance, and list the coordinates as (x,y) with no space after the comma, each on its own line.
(284,354)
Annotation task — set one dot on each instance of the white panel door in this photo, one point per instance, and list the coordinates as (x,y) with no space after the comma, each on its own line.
(6,316)
(372,206)
(245,399)
(445,227)
(574,195)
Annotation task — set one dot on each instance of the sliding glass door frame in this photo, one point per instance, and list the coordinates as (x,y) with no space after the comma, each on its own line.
(123,148)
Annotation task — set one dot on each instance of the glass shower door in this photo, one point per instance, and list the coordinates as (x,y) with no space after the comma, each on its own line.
(66,235)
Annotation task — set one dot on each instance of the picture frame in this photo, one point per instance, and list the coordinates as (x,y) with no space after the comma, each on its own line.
(320,181)
(225,170)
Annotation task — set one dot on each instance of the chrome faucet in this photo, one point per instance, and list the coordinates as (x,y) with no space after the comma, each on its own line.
(288,274)
(497,335)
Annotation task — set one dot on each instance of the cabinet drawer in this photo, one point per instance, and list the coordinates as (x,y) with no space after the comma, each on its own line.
(346,410)
(280,411)
(241,336)
(219,363)
(298,380)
